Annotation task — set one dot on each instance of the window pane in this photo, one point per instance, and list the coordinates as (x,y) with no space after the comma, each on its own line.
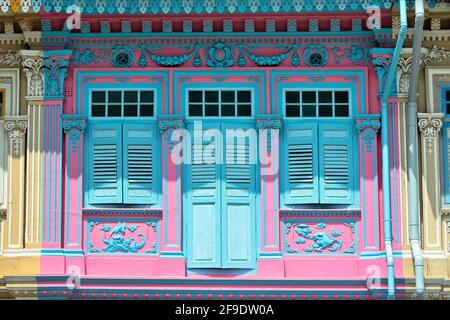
(228,110)
(211,96)
(341,111)
(447,95)
(115,96)
(130,110)
(325,110)
(292,97)
(146,96)
(227,96)
(98,110)
(245,110)
(212,110)
(195,96)
(448,108)
(244,96)
(98,96)
(195,110)
(341,97)
(146,110)
(309,97)
(130,96)
(308,111)
(292,111)
(114,111)
(325,97)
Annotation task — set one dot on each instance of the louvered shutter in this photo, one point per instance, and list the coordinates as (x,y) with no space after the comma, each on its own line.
(139,164)
(301,161)
(238,197)
(446,142)
(336,163)
(203,211)
(105,163)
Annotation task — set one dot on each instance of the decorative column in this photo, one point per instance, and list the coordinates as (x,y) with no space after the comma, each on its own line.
(56,65)
(270,258)
(171,172)
(430,125)
(16,128)
(367,126)
(73,127)
(33,69)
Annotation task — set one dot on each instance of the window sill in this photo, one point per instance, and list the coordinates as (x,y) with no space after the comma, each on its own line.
(122,212)
(309,212)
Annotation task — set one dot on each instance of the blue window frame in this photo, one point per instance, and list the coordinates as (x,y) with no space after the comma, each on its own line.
(121,142)
(445,99)
(318,147)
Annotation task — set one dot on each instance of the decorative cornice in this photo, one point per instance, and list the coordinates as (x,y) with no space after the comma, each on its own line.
(34,72)
(268,122)
(367,126)
(430,124)
(16,128)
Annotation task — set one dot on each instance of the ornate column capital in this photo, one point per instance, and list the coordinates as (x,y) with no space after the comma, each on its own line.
(73,125)
(382,59)
(269,121)
(168,124)
(33,68)
(56,65)
(16,127)
(430,125)
(367,126)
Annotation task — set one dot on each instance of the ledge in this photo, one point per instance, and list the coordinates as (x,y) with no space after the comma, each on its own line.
(122,212)
(306,212)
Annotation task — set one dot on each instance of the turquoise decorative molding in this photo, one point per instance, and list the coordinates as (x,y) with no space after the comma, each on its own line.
(382,65)
(268,121)
(122,56)
(55,72)
(220,56)
(367,126)
(74,127)
(357,54)
(89,56)
(167,125)
(315,55)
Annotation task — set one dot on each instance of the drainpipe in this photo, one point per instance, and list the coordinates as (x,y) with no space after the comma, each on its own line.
(411,123)
(385,150)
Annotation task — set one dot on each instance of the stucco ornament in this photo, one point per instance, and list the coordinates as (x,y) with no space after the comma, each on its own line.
(167,126)
(55,72)
(10,58)
(367,126)
(404,73)
(16,129)
(430,124)
(439,54)
(34,72)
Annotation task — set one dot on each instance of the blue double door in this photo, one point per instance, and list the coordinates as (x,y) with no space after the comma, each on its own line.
(220,208)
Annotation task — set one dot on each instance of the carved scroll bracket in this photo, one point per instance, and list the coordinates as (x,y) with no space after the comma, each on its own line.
(430,125)
(16,127)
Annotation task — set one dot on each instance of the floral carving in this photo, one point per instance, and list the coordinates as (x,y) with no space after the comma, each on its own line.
(55,72)
(367,126)
(89,56)
(430,124)
(10,58)
(16,129)
(440,54)
(34,72)
(404,73)
(356,54)
(167,126)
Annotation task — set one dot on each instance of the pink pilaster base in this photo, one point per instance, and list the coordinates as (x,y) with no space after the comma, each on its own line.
(271,268)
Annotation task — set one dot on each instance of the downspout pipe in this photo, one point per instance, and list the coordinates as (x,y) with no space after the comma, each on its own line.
(411,124)
(386,184)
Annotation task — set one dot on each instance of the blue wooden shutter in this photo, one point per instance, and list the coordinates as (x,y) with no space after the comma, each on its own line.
(105,163)
(446,162)
(139,164)
(301,161)
(203,209)
(336,163)
(238,199)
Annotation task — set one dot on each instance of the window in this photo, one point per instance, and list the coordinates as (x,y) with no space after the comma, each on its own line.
(222,103)
(2,103)
(446,142)
(312,104)
(113,104)
(121,153)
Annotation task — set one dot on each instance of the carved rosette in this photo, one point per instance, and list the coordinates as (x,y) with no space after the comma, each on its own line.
(430,124)
(367,126)
(34,72)
(167,127)
(16,129)
(74,128)
(55,72)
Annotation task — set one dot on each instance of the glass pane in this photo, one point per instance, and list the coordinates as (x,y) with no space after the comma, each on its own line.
(212,110)
(115,96)
(308,111)
(244,96)
(130,96)
(325,97)
(114,110)
(292,97)
(98,110)
(146,96)
(227,96)
(292,111)
(309,97)
(146,110)
(195,110)
(325,110)
(245,110)
(228,110)
(211,96)
(195,96)
(448,108)
(341,97)
(447,94)
(130,110)
(341,111)
(98,96)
